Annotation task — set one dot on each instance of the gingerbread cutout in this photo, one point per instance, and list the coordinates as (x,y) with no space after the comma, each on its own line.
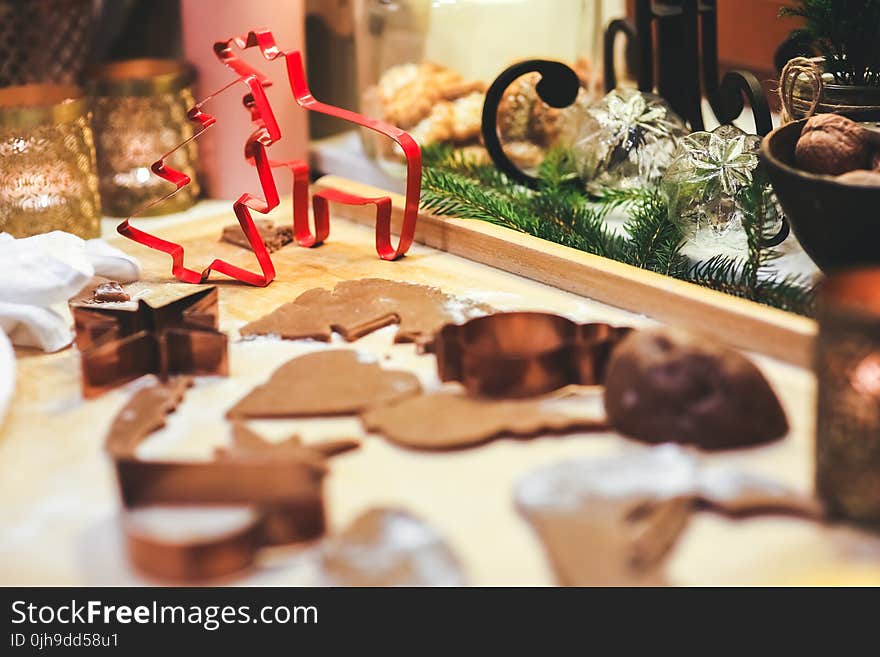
(335,382)
(274,237)
(356,308)
(451,420)
(247,443)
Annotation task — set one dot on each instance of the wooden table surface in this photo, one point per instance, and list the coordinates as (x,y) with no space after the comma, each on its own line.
(58,502)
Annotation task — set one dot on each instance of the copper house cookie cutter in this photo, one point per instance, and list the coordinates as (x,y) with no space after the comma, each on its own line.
(119,344)
(521,354)
(276,490)
(284,497)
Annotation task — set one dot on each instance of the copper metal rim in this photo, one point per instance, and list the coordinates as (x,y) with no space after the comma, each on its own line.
(140,77)
(854,295)
(202,559)
(516,335)
(30,105)
(522,354)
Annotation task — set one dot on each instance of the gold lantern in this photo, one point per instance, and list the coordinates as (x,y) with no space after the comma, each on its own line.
(140,111)
(48,178)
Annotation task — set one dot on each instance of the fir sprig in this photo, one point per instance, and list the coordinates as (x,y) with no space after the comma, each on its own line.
(458,185)
(654,242)
(845,33)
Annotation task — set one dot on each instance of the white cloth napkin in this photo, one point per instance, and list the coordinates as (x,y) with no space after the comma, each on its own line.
(7,374)
(39,272)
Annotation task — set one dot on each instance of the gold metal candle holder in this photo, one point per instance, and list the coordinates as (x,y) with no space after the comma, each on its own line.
(848,371)
(44,40)
(48,178)
(140,110)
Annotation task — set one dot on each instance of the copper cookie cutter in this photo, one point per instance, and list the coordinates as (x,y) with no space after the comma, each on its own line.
(522,354)
(119,344)
(282,498)
(272,491)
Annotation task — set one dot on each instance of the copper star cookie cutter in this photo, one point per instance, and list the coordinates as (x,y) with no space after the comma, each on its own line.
(522,354)
(118,344)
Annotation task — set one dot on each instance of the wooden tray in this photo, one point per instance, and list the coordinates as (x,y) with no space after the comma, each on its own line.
(741,323)
(58,499)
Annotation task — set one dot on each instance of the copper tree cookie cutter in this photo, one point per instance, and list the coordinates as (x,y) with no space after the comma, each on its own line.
(118,345)
(521,354)
(255,151)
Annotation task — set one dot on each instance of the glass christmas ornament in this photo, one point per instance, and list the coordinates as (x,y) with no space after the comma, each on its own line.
(626,140)
(705,184)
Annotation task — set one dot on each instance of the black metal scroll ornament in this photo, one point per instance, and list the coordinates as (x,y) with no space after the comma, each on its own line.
(686,35)
(558,87)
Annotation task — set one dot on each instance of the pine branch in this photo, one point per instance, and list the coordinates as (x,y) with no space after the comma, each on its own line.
(454,194)
(444,157)
(560,211)
(654,241)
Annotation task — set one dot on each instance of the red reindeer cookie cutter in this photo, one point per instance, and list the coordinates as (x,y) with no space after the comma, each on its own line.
(265,42)
(268,132)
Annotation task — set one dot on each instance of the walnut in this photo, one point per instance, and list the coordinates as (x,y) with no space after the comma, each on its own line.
(860,177)
(832,144)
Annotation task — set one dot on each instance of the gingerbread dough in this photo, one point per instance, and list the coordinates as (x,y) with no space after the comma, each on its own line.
(452,420)
(101,291)
(614,521)
(111,291)
(334,382)
(388,547)
(247,443)
(144,413)
(663,385)
(355,308)
(274,237)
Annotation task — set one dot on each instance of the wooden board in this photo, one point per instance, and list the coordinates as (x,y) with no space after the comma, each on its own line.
(740,323)
(59,506)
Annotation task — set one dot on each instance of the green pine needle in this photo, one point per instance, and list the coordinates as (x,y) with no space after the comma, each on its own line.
(559,211)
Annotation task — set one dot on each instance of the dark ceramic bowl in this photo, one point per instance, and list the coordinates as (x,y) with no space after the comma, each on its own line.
(837,224)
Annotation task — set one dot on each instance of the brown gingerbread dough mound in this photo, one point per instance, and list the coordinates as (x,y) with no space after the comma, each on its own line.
(665,385)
